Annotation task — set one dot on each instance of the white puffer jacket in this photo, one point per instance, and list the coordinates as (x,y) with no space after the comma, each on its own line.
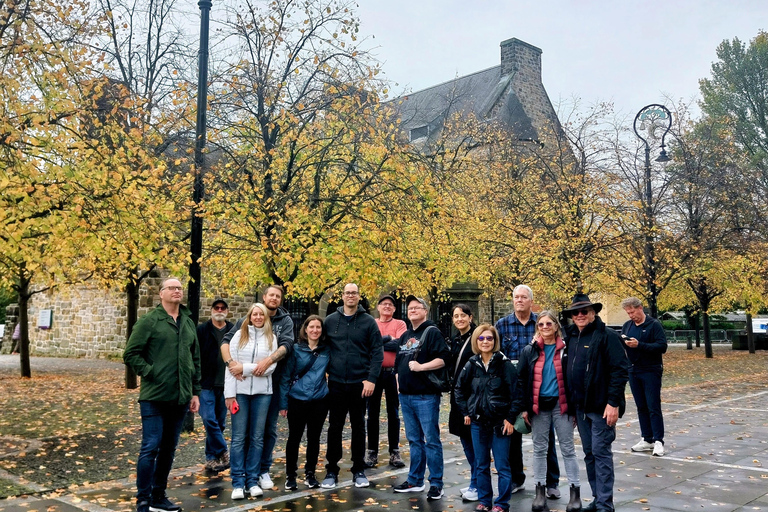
(254,351)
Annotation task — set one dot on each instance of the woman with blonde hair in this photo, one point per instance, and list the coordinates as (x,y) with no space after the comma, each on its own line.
(248,400)
(543,389)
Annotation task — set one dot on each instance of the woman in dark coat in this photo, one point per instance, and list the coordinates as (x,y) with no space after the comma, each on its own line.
(461,351)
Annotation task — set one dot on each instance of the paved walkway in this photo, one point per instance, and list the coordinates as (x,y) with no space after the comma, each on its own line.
(717,446)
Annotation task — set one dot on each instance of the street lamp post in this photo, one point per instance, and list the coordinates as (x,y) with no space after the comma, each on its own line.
(196,236)
(651,118)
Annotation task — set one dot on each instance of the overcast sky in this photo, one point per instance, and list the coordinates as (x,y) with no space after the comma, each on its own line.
(629,52)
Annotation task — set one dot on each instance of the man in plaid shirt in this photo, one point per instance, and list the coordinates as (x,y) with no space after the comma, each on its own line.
(516,331)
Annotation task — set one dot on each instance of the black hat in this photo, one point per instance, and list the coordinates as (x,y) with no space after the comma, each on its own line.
(387,296)
(219,301)
(579,301)
(421,301)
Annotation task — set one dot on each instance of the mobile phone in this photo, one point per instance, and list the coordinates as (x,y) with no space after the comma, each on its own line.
(624,337)
(234,407)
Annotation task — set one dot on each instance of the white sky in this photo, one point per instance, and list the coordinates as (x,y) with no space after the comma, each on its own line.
(629,52)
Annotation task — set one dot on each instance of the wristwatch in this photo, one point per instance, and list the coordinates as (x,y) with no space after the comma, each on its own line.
(227,362)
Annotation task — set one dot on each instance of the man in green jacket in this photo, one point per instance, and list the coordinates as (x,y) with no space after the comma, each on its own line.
(164,352)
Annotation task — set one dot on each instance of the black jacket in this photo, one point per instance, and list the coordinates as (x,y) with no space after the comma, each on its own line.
(526,371)
(420,345)
(459,359)
(607,369)
(356,348)
(211,364)
(488,396)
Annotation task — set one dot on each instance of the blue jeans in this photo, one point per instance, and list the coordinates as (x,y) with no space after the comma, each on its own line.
(422,429)
(596,438)
(646,389)
(213,411)
(270,430)
(160,428)
(248,439)
(469,453)
(486,439)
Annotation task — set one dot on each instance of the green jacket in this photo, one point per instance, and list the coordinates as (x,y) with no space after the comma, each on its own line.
(165,356)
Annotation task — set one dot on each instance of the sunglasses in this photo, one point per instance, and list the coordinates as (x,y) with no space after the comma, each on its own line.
(584,312)
(220,308)
(485,338)
(546,324)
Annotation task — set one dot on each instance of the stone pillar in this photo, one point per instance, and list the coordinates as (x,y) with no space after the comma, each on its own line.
(467,293)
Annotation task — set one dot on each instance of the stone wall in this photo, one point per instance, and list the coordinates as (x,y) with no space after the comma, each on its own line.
(91,322)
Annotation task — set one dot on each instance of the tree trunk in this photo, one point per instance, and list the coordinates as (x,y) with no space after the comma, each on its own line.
(707,335)
(750,334)
(132,306)
(24,295)
(696,327)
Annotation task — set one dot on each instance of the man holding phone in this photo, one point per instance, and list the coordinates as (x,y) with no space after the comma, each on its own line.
(645,343)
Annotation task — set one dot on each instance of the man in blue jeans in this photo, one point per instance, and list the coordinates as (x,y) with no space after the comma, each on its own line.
(163,351)
(422,350)
(645,343)
(597,376)
(213,411)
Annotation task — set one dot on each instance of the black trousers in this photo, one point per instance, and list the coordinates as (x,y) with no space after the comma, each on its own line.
(345,399)
(385,385)
(310,415)
(516,460)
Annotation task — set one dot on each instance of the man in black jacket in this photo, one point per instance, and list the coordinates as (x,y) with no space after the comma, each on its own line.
(356,355)
(213,411)
(422,351)
(597,376)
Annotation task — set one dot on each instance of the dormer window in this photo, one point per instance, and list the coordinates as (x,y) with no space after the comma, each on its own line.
(419,133)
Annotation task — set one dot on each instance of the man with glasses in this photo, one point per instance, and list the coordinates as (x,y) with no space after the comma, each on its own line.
(597,376)
(391,329)
(356,355)
(422,350)
(213,411)
(282,328)
(516,331)
(163,351)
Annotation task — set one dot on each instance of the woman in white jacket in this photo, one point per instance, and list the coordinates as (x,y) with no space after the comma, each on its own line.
(248,400)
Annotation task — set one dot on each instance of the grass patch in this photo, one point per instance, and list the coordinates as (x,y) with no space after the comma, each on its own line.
(9,488)
(690,367)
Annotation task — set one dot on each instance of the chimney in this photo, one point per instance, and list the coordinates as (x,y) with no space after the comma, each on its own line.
(521,59)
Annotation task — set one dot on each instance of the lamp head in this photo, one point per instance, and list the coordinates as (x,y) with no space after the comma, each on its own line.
(663,157)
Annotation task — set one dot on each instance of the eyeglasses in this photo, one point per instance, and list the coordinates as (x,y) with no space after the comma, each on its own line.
(351,294)
(416,308)
(220,308)
(173,288)
(546,324)
(584,312)
(386,305)
(485,338)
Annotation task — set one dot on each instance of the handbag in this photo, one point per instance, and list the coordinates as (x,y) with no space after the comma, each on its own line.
(521,426)
(440,377)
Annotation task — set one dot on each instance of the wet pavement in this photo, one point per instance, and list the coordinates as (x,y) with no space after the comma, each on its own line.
(717,447)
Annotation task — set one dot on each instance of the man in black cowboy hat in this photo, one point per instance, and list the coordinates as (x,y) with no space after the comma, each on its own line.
(597,375)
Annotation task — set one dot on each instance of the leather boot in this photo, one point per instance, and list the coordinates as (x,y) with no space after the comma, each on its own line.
(540,501)
(574,504)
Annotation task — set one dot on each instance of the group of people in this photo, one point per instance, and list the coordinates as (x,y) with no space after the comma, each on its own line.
(526,373)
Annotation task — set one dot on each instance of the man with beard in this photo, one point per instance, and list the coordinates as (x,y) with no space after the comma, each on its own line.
(213,411)
(282,327)
(597,375)
(356,355)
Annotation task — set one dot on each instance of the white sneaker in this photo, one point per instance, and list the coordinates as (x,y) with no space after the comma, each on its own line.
(463,490)
(643,446)
(470,495)
(238,493)
(265,482)
(255,491)
(658,449)
(517,488)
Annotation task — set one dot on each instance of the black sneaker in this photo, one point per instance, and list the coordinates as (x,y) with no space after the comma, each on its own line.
(290,483)
(163,504)
(435,492)
(142,506)
(310,481)
(408,487)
